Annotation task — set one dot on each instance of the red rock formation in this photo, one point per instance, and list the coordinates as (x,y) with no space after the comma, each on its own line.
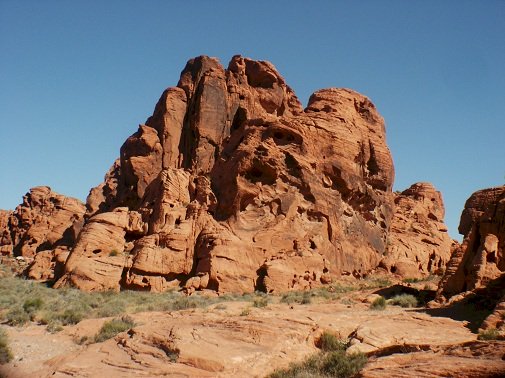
(418,243)
(232,186)
(481,257)
(5,234)
(44,221)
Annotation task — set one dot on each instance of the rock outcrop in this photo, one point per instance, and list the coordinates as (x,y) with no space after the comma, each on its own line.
(5,234)
(231,185)
(481,257)
(418,242)
(41,230)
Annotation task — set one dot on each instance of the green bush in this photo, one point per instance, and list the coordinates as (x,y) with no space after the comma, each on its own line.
(5,351)
(329,364)
(489,334)
(113,327)
(31,305)
(17,317)
(328,342)
(378,304)
(403,300)
(113,253)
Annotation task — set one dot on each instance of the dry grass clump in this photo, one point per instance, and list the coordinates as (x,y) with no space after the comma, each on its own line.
(403,300)
(378,304)
(113,327)
(489,334)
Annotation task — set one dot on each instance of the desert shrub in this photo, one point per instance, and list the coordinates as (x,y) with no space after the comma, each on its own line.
(113,253)
(378,304)
(329,342)
(113,327)
(54,327)
(5,351)
(31,305)
(489,334)
(325,364)
(184,303)
(260,302)
(297,297)
(403,300)
(17,316)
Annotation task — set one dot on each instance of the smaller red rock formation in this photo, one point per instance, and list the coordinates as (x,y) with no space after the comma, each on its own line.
(481,257)
(5,234)
(418,242)
(45,222)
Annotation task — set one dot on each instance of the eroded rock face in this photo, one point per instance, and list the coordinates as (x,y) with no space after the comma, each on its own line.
(418,242)
(44,221)
(236,187)
(481,257)
(5,234)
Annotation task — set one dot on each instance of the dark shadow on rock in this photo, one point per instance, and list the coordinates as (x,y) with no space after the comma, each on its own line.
(423,296)
(475,307)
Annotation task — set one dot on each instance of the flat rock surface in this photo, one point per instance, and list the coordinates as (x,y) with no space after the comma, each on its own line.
(235,339)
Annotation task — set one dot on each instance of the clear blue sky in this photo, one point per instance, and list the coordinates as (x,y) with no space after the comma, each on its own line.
(77,77)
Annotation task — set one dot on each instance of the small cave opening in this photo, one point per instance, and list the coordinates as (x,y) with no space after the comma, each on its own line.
(96,251)
(312,245)
(239,119)
(372,165)
(260,172)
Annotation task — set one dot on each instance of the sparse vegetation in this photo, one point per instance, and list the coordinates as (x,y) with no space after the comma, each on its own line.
(332,361)
(403,300)
(113,253)
(378,304)
(489,334)
(5,351)
(329,342)
(17,316)
(260,302)
(113,327)
(246,311)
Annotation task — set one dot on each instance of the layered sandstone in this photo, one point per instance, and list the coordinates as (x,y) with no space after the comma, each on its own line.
(481,258)
(231,185)
(418,242)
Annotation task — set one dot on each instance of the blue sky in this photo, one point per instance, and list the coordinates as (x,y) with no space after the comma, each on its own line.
(77,77)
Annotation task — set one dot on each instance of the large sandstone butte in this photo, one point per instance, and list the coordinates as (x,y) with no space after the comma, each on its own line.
(232,186)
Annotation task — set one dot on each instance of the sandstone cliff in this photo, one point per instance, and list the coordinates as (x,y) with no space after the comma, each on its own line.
(232,186)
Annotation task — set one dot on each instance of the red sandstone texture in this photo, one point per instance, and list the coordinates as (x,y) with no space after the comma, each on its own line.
(481,257)
(476,269)
(41,230)
(418,242)
(232,186)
